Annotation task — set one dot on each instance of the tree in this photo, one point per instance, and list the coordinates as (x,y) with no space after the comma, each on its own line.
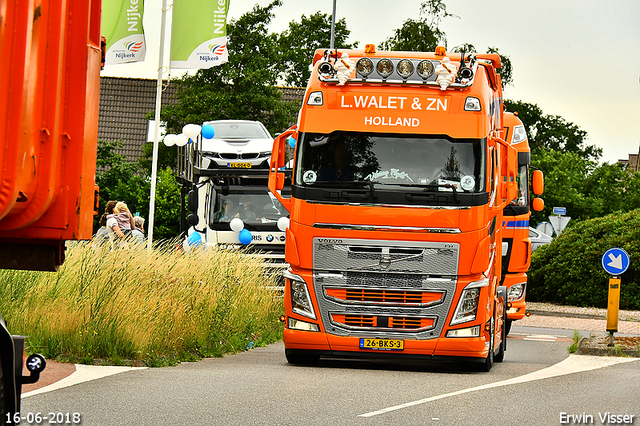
(506,71)
(564,182)
(243,88)
(552,131)
(125,181)
(422,34)
(299,43)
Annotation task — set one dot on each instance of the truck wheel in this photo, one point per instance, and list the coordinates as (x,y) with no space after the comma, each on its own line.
(301,358)
(508,326)
(487,364)
(503,343)
(500,355)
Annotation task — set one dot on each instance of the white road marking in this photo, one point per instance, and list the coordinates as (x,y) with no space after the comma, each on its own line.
(572,364)
(83,373)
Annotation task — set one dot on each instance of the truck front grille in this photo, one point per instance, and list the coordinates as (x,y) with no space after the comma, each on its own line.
(402,288)
(380,323)
(381,296)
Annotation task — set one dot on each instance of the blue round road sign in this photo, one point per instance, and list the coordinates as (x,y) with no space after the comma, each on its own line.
(615,261)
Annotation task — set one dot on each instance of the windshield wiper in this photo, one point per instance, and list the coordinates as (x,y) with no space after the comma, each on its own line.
(434,185)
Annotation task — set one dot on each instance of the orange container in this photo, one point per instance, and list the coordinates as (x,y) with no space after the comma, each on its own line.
(48,126)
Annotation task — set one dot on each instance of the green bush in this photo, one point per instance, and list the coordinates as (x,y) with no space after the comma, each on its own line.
(569,270)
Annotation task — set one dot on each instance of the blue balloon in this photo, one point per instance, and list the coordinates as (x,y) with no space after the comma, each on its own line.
(194,239)
(245,236)
(292,142)
(208,132)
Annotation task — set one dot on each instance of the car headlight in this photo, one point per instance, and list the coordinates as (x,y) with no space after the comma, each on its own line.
(516,292)
(300,298)
(467,308)
(265,154)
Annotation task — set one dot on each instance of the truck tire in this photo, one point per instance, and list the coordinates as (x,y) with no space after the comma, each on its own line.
(486,365)
(503,343)
(301,358)
(508,326)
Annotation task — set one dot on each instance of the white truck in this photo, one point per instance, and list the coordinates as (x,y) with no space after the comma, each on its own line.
(228,202)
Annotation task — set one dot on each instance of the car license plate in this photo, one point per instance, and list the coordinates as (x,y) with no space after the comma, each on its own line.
(240,165)
(382,344)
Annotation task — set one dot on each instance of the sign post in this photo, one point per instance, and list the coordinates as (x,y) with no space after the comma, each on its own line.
(615,261)
(560,220)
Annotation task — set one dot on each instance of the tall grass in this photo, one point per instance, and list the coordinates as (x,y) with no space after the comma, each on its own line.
(152,306)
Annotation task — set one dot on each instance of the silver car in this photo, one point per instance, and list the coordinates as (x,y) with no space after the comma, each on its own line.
(237,144)
(538,238)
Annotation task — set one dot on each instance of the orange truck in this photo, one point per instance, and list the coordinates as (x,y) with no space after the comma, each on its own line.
(50,78)
(516,245)
(401,175)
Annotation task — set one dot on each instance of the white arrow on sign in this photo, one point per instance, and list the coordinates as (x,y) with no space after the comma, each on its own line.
(616,261)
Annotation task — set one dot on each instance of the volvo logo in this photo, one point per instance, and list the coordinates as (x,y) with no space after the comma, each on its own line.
(385,262)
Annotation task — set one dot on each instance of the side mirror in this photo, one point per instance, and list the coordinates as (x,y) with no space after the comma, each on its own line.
(278,160)
(192,201)
(192,219)
(538,182)
(538,204)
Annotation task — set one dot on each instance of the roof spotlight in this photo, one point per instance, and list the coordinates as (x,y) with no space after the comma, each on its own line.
(325,68)
(465,73)
(385,67)
(405,68)
(364,67)
(425,69)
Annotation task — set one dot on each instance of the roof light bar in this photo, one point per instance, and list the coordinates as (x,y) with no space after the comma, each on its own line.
(371,69)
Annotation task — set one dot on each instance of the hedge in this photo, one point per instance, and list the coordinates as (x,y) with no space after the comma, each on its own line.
(569,270)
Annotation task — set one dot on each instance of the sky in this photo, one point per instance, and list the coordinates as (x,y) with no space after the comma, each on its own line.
(577,59)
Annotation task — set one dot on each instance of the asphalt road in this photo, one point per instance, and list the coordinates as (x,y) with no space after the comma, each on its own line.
(259,388)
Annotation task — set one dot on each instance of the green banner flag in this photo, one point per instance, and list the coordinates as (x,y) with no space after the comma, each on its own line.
(199,33)
(122,27)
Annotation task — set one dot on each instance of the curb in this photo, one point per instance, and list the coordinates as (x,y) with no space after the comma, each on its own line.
(565,314)
(599,350)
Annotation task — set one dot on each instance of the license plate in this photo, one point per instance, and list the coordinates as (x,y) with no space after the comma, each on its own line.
(382,344)
(240,165)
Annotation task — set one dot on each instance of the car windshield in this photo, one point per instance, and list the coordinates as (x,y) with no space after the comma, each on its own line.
(239,130)
(431,163)
(255,208)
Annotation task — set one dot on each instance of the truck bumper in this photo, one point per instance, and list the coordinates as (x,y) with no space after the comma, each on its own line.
(330,345)
(518,308)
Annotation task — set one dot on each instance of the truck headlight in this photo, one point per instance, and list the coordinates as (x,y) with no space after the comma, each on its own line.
(296,324)
(465,332)
(516,292)
(300,299)
(467,308)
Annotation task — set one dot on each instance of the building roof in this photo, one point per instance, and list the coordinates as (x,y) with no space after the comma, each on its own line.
(126,102)
(124,105)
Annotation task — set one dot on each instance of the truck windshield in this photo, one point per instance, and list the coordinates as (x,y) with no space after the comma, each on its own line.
(428,163)
(256,209)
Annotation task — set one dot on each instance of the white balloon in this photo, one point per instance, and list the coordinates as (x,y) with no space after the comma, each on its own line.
(181,139)
(283,223)
(236,224)
(191,130)
(170,139)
